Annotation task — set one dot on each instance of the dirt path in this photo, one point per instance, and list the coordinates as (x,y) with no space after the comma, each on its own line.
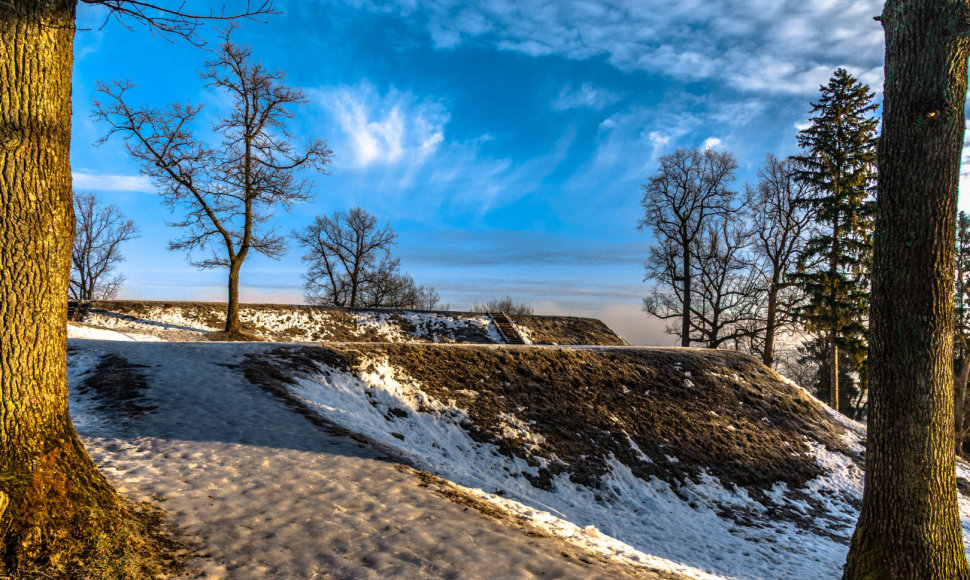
(260,492)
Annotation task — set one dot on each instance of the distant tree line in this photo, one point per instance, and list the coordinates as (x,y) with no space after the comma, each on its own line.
(507,305)
(788,255)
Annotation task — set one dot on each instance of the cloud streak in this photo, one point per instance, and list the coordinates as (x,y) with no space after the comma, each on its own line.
(584,96)
(84,181)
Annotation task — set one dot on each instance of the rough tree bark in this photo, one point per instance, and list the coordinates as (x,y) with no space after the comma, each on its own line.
(910,521)
(52,493)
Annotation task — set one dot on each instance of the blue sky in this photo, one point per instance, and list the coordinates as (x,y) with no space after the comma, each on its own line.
(504,140)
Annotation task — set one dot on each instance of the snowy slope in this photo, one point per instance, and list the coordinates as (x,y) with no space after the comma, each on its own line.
(702,526)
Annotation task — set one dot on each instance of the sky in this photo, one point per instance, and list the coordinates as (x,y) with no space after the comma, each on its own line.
(505,141)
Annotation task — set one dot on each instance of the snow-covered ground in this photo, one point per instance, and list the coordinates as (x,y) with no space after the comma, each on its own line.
(264,493)
(261,492)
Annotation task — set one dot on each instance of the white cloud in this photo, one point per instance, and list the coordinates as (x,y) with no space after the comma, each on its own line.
(396,156)
(763,46)
(586,96)
(711,143)
(106,182)
(385,129)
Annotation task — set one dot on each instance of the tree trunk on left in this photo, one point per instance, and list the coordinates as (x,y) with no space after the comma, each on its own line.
(54,505)
(909,526)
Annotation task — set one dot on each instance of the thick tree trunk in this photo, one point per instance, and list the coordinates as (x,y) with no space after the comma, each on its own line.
(57,513)
(52,492)
(768,356)
(232,309)
(910,521)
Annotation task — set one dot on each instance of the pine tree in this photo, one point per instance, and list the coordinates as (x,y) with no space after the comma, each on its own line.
(838,164)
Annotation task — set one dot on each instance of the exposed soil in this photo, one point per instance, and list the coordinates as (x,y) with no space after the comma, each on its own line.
(118,386)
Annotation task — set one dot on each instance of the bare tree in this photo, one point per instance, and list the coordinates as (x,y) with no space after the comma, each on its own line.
(727,295)
(343,250)
(506,305)
(782,224)
(54,505)
(98,233)
(690,188)
(230,191)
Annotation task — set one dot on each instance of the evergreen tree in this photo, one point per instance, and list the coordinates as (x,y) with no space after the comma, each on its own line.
(839,165)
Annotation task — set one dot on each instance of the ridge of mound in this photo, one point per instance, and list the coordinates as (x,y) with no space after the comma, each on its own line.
(704,458)
(302,323)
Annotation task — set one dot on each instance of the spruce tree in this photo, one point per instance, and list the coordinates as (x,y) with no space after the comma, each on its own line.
(838,163)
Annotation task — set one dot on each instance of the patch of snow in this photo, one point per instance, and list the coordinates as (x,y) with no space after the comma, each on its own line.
(524,332)
(156,318)
(264,493)
(515,428)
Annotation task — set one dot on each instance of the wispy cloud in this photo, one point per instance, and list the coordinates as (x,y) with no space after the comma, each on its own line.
(518,249)
(385,129)
(763,46)
(586,95)
(108,182)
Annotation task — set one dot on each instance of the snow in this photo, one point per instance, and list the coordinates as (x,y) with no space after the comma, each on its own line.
(95,333)
(260,492)
(303,324)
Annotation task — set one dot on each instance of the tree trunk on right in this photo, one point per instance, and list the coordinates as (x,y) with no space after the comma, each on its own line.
(909,526)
